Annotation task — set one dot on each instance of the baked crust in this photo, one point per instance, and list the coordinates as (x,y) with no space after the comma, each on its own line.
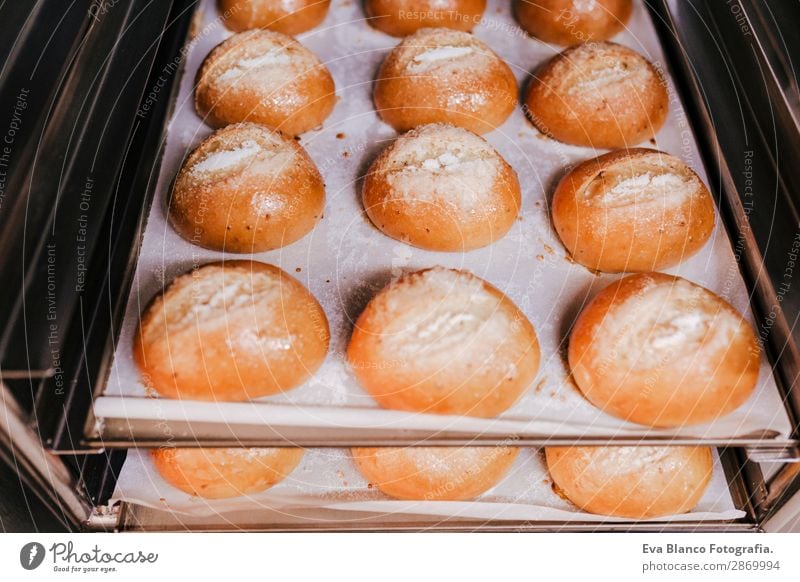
(404,17)
(632,210)
(439,75)
(265,77)
(569,22)
(661,351)
(442,188)
(598,94)
(289,17)
(434,473)
(443,341)
(635,482)
(223,473)
(246,189)
(231,331)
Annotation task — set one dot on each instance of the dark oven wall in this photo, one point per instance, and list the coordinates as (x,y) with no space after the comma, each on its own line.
(76,104)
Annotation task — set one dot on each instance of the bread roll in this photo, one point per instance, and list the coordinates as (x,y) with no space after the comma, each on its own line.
(286,16)
(434,473)
(635,482)
(632,210)
(442,188)
(445,342)
(661,351)
(404,17)
(438,75)
(246,189)
(265,77)
(568,22)
(598,94)
(231,331)
(222,473)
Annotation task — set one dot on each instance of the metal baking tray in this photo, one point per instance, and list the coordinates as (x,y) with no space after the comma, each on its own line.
(330,410)
(309,500)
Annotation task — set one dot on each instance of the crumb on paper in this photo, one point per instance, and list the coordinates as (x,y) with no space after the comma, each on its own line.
(558,491)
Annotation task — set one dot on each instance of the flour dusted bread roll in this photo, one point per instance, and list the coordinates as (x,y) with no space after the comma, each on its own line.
(442,188)
(265,77)
(632,210)
(246,189)
(444,76)
(286,16)
(434,473)
(231,331)
(568,22)
(661,351)
(404,17)
(445,342)
(634,482)
(222,473)
(598,94)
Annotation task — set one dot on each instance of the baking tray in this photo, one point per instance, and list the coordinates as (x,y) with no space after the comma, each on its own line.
(326,482)
(345,261)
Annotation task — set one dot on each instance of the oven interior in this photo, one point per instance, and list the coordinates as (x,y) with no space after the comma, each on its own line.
(63,297)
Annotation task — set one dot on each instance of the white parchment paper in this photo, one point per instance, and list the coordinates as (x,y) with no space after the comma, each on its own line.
(346,260)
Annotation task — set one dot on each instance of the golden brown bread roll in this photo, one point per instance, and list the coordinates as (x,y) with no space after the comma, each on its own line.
(439,75)
(221,473)
(568,22)
(404,17)
(265,77)
(231,331)
(598,94)
(286,16)
(632,210)
(246,189)
(442,188)
(635,482)
(434,473)
(445,342)
(661,351)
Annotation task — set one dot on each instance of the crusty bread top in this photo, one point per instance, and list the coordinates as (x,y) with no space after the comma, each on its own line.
(634,482)
(443,51)
(262,59)
(641,177)
(630,461)
(610,463)
(223,456)
(434,462)
(598,71)
(443,164)
(666,319)
(439,316)
(238,148)
(212,292)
